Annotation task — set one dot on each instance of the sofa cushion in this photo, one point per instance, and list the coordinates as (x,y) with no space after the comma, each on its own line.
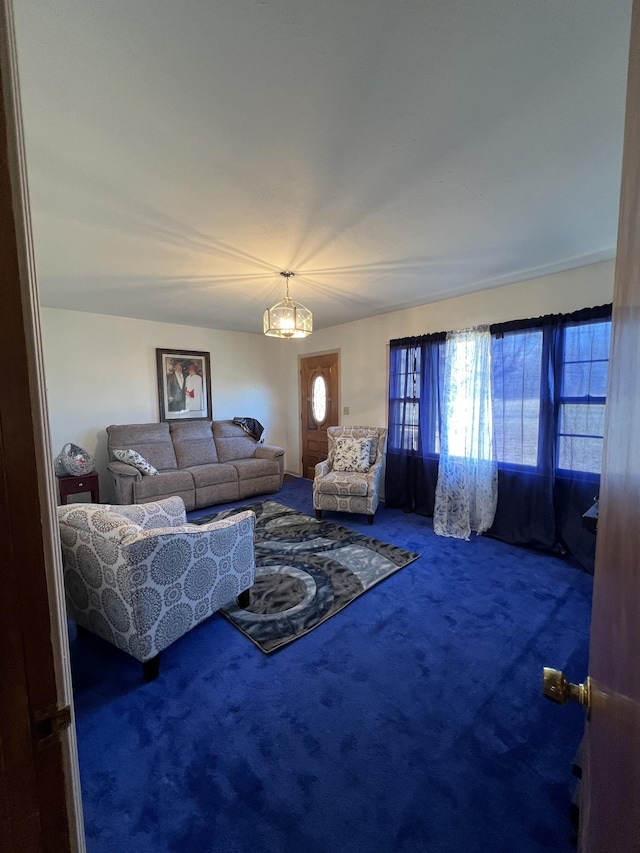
(153,441)
(249,468)
(342,483)
(232,442)
(212,475)
(193,443)
(166,483)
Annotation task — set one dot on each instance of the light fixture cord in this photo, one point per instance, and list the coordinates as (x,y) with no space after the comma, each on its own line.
(286,274)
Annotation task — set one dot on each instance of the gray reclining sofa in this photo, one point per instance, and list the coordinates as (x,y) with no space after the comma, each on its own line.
(203,462)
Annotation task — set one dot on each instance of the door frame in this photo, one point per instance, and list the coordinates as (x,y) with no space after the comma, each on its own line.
(36,627)
(331,351)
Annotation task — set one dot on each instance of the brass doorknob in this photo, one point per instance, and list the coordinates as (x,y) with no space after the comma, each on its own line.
(557,688)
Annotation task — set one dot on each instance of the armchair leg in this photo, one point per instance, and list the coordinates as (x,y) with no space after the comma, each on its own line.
(151,669)
(369,519)
(319,514)
(244,599)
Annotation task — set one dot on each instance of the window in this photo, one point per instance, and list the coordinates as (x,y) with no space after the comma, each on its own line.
(416,374)
(515,380)
(585,363)
(516,375)
(548,396)
(404,399)
(548,391)
(319,399)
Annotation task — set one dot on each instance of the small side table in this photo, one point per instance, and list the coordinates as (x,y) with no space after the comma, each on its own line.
(78,485)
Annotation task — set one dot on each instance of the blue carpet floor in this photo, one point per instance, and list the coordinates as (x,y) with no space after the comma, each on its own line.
(412,721)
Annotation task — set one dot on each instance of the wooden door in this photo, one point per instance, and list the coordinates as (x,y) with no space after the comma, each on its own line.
(610,806)
(40,808)
(319,407)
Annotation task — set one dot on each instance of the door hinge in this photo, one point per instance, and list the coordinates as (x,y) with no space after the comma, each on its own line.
(49,723)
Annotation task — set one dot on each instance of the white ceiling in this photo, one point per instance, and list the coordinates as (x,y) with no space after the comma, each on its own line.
(390,152)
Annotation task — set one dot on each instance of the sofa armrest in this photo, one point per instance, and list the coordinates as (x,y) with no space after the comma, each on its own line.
(168,512)
(274,453)
(268,451)
(74,518)
(322,469)
(222,523)
(121,469)
(194,531)
(124,477)
(374,472)
(164,533)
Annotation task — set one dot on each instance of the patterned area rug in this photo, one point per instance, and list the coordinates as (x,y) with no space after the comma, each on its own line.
(306,571)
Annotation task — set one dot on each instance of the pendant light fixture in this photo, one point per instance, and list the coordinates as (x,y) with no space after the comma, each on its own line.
(288,319)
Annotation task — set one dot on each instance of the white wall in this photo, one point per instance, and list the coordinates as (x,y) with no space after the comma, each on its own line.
(101,370)
(363,345)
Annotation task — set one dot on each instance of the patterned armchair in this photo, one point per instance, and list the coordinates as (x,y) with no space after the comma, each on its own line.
(349,480)
(141,577)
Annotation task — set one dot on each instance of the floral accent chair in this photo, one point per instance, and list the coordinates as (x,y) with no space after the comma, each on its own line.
(141,577)
(349,479)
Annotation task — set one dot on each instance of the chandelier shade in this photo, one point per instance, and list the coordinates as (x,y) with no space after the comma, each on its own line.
(288,319)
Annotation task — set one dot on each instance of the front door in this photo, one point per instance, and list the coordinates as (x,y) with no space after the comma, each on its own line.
(610,806)
(319,407)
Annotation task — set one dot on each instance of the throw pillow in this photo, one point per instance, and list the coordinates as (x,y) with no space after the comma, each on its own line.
(131,457)
(352,454)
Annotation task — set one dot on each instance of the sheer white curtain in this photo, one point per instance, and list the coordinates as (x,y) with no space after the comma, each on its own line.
(467,489)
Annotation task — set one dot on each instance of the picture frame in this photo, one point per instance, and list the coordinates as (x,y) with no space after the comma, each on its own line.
(184,384)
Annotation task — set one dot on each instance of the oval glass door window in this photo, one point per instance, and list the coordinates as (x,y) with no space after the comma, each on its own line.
(319,399)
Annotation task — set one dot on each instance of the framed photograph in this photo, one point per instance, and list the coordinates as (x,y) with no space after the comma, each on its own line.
(184,384)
